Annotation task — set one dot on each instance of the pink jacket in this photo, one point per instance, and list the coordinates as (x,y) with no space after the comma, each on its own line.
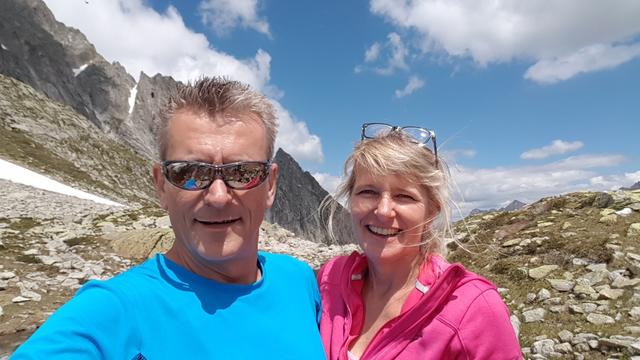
(451,314)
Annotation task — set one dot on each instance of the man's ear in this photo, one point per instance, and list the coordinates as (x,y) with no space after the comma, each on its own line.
(158,182)
(271,182)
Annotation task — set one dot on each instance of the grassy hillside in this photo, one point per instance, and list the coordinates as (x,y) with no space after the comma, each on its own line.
(51,138)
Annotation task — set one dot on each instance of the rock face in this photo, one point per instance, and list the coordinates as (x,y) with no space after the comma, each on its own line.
(297,205)
(140,128)
(61,63)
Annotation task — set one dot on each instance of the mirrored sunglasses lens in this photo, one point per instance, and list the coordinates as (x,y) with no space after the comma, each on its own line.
(244,176)
(189,176)
(377,130)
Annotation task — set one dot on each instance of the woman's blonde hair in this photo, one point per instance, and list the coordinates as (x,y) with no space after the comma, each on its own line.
(398,154)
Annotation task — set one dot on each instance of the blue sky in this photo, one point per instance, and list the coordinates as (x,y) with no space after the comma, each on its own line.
(528,99)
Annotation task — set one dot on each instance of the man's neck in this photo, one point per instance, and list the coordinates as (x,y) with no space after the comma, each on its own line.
(236,271)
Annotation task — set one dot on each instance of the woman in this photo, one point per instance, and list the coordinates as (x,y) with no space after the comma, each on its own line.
(399,298)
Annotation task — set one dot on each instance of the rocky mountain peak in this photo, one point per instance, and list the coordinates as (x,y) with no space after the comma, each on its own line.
(297,207)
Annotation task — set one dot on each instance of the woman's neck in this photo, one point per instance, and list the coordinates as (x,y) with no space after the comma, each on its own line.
(387,278)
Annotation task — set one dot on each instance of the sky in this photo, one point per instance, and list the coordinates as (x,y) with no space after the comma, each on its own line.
(527,98)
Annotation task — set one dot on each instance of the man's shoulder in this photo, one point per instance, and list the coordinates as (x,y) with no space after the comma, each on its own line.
(132,280)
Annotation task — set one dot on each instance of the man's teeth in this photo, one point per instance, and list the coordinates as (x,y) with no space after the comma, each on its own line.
(218,222)
(382,231)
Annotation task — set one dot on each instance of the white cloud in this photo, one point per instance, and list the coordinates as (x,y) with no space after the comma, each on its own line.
(451,155)
(295,139)
(372,53)
(547,32)
(142,39)
(225,15)
(327,181)
(556,147)
(489,187)
(588,59)
(395,60)
(414,84)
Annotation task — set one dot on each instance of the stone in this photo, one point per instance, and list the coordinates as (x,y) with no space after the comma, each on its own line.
(634,230)
(163,222)
(624,212)
(535,315)
(543,347)
(602,200)
(580,262)
(142,243)
(541,271)
(633,330)
(583,289)
(511,242)
(597,267)
(612,294)
(634,313)
(600,319)
(561,284)
(565,335)
(515,323)
(6,275)
(606,212)
(20,299)
(563,348)
(623,282)
(609,219)
(543,294)
(545,224)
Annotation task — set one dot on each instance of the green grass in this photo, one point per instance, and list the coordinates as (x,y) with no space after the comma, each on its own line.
(81,240)
(24,224)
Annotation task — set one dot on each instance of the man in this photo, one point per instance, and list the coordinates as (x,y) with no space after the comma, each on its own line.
(212,295)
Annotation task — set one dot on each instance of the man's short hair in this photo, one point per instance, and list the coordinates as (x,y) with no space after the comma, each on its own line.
(218,95)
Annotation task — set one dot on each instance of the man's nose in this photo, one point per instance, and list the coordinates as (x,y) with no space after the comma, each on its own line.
(217,194)
(385,207)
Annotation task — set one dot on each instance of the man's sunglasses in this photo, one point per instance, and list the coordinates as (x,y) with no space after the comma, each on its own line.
(420,135)
(193,175)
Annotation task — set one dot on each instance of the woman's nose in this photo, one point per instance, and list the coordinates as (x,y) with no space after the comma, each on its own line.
(385,207)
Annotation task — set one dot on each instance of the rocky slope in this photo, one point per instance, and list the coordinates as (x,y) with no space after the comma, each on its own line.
(52,139)
(569,269)
(48,251)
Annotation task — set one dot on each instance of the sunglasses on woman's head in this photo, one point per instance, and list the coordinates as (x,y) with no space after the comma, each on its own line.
(193,175)
(420,135)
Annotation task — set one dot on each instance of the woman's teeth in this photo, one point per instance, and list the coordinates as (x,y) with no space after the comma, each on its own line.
(382,231)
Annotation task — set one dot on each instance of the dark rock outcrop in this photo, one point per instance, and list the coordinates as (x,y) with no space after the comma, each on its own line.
(514,205)
(297,204)
(60,62)
(139,129)
(635,186)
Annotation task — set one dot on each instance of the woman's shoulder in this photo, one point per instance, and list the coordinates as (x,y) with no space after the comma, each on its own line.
(334,268)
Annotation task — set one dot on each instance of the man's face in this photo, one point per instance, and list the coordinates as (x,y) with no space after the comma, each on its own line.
(217,225)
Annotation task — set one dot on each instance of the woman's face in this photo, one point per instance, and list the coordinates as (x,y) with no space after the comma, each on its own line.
(389,214)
